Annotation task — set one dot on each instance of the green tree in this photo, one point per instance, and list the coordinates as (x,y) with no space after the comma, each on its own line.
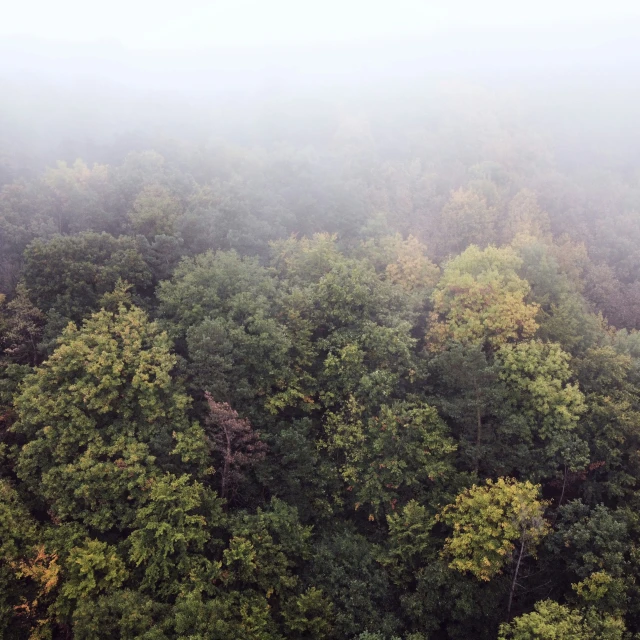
(101,417)
(587,539)
(544,409)
(468,391)
(467,218)
(350,328)
(480,299)
(92,569)
(69,274)
(155,211)
(494,526)
(391,456)
(24,216)
(609,381)
(564,316)
(525,217)
(346,566)
(553,621)
(259,595)
(408,265)
(21,325)
(223,308)
(170,533)
(124,613)
(78,196)
(19,535)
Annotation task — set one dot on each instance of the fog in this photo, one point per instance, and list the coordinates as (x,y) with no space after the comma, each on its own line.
(82,74)
(319,320)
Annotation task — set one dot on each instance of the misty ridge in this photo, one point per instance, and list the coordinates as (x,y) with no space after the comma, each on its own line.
(329,333)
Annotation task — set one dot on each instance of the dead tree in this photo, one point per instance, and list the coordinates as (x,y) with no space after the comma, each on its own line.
(233,439)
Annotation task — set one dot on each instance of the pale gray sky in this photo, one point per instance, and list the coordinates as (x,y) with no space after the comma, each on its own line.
(190,24)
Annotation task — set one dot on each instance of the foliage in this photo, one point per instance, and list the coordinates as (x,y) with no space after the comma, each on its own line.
(20,329)
(487,521)
(545,407)
(552,621)
(345,566)
(468,391)
(170,532)
(69,274)
(480,299)
(100,418)
(395,454)
(224,306)
(524,217)
(154,212)
(292,382)
(465,219)
(240,447)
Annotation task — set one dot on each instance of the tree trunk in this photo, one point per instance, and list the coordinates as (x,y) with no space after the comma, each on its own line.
(226,468)
(515,578)
(564,485)
(478,429)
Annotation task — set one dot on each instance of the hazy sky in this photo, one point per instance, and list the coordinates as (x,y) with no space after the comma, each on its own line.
(189,24)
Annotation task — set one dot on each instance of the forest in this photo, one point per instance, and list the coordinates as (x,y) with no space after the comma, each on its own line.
(367,373)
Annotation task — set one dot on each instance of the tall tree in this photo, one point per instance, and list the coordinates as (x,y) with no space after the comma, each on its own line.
(468,391)
(480,299)
(21,326)
(494,526)
(524,216)
(466,219)
(69,274)
(544,407)
(101,417)
(235,442)
(391,457)
(552,621)
(224,309)
(155,211)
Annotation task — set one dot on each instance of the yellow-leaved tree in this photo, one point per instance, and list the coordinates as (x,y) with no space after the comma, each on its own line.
(481,299)
(494,526)
(411,268)
(525,217)
(467,218)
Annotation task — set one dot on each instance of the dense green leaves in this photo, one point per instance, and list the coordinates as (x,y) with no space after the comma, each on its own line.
(69,274)
(553,621)
(487,523)
(480,299)
(239,399)
(100,417)
(399,453)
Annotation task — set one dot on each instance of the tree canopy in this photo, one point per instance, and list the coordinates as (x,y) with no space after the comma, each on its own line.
(349,380)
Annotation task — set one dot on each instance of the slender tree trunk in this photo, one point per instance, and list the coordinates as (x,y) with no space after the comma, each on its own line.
(227,465)
(515,578)
(564,485)
(34,350)
(478,429)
